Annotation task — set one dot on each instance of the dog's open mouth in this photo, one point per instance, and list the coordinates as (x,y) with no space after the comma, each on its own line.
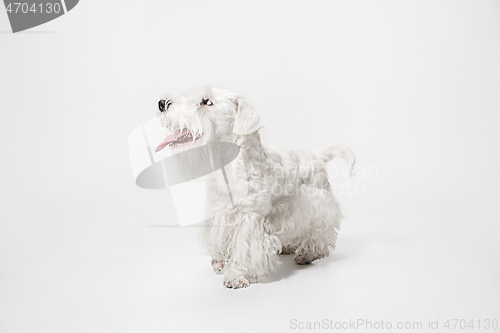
(178,137)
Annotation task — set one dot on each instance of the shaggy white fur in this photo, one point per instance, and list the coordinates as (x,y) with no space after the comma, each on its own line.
(281,200)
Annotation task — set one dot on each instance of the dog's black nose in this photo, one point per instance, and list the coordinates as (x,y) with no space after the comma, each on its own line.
(161,105)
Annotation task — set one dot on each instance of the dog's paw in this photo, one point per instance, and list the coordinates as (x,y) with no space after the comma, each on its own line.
(287,250)
(236,282)
(303,258)
(218,266)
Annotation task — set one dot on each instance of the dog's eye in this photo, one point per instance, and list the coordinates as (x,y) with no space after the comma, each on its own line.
(206,102)
(163,105)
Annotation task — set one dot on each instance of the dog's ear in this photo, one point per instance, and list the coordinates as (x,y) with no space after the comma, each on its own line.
(247,121)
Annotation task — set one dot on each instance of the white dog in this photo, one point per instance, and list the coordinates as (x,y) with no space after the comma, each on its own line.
(281,200)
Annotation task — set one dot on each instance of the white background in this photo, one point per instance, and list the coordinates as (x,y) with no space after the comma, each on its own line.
(413,87)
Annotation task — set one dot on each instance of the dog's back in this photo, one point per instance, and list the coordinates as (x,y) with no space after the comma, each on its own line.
(294,168)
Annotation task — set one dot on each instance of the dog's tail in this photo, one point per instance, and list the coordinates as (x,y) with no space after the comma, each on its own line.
(329,152)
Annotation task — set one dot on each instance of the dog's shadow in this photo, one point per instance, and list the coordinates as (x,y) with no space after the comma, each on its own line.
(348,247)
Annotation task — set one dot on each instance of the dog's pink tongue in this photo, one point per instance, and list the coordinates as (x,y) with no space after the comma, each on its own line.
(171,138)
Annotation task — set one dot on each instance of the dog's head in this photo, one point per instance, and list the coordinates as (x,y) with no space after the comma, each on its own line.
(205,115)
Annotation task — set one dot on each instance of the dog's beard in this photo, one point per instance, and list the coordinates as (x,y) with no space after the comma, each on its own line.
(192,163)
(190,153)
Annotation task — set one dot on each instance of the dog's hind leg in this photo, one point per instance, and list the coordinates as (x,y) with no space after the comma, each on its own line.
(320,234)
(316,245)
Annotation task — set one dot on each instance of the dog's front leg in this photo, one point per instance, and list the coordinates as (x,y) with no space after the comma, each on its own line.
(253,253)
(214,239)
